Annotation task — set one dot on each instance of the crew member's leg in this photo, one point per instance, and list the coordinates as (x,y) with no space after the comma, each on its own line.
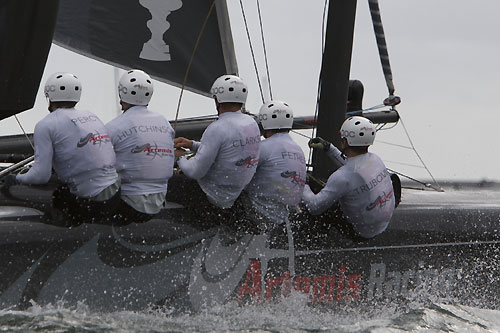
(336,218)
(243,218)
(188,193)
(126,215)
(76,210)
(65,208)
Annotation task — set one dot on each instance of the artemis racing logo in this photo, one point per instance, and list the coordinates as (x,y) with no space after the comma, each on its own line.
(296,179)
(153,151)
(93,139)
(380,201)
(249,162)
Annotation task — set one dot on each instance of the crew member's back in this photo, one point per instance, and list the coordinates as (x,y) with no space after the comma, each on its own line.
(362,186)
(76,144)
(280,177)
(227,155)
(143,142)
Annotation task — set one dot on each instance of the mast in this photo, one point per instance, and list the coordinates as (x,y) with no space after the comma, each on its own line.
(334,79)
(226,37)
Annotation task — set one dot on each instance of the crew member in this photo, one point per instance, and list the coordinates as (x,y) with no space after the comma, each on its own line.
(227,155)
(362,185)
(280,177)
(144,147)
(76,144)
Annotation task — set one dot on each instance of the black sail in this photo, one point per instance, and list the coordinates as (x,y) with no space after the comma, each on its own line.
(156,36)
(26,29)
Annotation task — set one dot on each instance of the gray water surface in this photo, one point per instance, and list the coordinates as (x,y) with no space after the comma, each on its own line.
(291,315)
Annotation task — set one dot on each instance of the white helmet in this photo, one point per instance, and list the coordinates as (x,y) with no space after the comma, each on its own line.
(135,87)
(229,89)
(63,87)
(276,115)
(358,131)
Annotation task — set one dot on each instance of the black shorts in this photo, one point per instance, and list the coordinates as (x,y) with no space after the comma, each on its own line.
(335,216)
(189,194)
(330,224)
(125,215)
(77,210)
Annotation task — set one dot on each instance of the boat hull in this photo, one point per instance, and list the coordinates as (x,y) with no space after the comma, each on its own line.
(438,247)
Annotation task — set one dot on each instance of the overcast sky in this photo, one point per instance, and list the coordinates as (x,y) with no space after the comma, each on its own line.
(444,56)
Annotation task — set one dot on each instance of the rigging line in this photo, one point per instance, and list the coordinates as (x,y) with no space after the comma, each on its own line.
(368,109)
(416,152)
(265,51)
(207,117)
(301,134)
(381,44)
(251,50)
(323,26)
(304,127)
(414,188)
(394,144)
(191,61)
(25,134)
(325,6)
(407,164)
(415,180)
(382,128)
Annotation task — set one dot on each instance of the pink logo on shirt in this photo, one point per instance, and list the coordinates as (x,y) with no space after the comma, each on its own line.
(249,162)
(380,201)
(93,139)
(151,150)
(294,176)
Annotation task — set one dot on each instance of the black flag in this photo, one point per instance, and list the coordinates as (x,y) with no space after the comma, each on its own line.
(155,36)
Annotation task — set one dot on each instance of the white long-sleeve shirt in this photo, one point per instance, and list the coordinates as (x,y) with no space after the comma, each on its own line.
(144,147)
(364,190)
(76,144)
(226,157)
(280,177)
(143,142)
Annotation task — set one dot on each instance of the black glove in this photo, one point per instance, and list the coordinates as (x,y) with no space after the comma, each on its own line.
(9,180)
(319,143)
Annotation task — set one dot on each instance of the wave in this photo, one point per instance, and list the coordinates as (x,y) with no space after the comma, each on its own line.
(292,314)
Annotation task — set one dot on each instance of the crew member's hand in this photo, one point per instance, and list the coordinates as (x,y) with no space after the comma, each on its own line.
(183,143)
(178,152)
(9,180)
(319,143)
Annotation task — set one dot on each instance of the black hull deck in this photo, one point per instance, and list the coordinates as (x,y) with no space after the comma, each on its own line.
(439,246)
